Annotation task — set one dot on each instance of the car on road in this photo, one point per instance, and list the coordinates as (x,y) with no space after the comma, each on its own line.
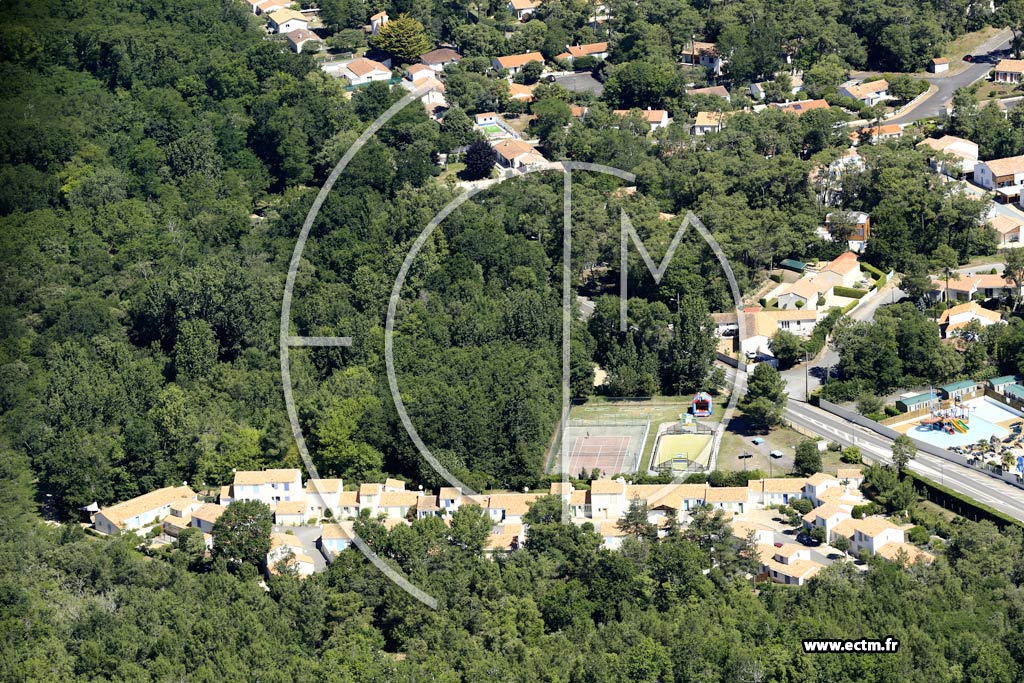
(806,539)
(968,58)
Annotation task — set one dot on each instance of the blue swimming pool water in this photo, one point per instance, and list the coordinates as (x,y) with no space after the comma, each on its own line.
(980,426)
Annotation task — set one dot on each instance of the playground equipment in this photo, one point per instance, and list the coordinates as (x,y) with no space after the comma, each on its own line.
(949,420)
(701,406)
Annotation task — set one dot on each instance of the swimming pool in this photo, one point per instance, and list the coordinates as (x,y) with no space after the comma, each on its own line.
(984,413)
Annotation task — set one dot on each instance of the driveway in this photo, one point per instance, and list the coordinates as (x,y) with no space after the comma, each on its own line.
(985,58)
(582,81)
(308,535)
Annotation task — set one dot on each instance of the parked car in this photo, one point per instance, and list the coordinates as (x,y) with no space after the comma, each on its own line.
(805,538)
(968,58)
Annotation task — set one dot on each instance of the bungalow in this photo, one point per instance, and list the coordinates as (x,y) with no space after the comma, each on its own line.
(268,486)
(290,513)
(826,516)
(1008,230)
(761,325)
(206,516)
(396,504)
(817,484)
(323,495)
(336,537)
(523,93)
(778,491)
(513,64)
(419,72)
(870,93)
(362,71)
(149,508)
(959,390)
(608,498)
(426,506)
(999,384)
(509,507)
(574,52)
(438,59)
(287,20)
(967,286)
(964,153)
(905,552)
(707,122)
(286,551)
(449,498)
(266,6)
(657,118)
(870,533)
(957,317)
(713,91)
(876,134)
(802,106)
(1002,176)
(696,53)
(516,154)
(728,498)
(911,401)
(377,21)
(522,9)
(299,38)
(1008,71)
(938,65)
(856,226)
(369,497)
(808,293)
(790,564)
(348,505)
(844,270)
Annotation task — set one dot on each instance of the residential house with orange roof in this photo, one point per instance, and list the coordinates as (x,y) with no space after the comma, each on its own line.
(807,293)
(729,498)
(287,20)
(522,93)
(1008,230)
(801,106)
(656,118)
(816,484)
(963,155)
(827,516)
(362,71)
(712,91)
(1007,173)
(377,21)
(707,122)
(287,553)
(142,511)
(1008,71)
(206,516)
(698,53)
(574,52)
(962,315)
(513,64)
(522,9)
(511,153)
(323,495)
(775,491)
(965,287)
(869,93)
(335,537)
(790,565)
(269,486)
(876,134)
(843,270)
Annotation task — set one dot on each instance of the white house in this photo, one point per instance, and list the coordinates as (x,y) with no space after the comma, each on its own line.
(826,516)
(801,106)
(290,513)
(268,486)
(516,154)
(964,153)
(817,484)
(729,498)
(870,93)
(871,533)
(287,20)
(206,516)
(595,50)
(361,71)
(1000,173)
(509,507)
(298,39)
(287,549)
(440,58)
(938,65)
(608,498)
(789,564)
(707,122)
(807,293)
(1008,229)
(522,9)
(1008,71)
(449,498)
(962,315)
(369,497)
(323,495)
(697,53)
(397,503)
(656,118)
(377,21)
(844,270)
(513,64)
(778,491)
(145,510)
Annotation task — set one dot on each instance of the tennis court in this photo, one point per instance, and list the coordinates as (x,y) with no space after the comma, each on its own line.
(612,449)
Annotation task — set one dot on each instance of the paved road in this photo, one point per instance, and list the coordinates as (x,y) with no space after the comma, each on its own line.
(976,485)
(816,369)
(986,56)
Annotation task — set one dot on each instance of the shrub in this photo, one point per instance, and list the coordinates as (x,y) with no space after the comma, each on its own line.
(849,292)
(891,411)
(776,277)
(918,535)
(841,391)
(802,505)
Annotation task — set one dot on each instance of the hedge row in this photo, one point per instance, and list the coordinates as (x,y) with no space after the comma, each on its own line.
(981,510)
(849,292)
(882,277)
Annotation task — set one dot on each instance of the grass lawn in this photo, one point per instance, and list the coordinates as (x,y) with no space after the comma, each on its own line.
(937,510)
(966,44)
(989,90)
(738,439)
(453,169)
(985,260)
